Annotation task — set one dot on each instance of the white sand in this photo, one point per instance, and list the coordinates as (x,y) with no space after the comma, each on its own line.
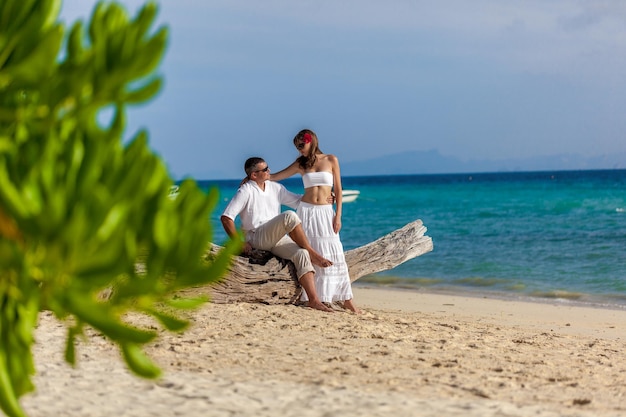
(409,354)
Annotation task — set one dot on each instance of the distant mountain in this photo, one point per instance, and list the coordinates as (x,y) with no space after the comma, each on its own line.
(432,162)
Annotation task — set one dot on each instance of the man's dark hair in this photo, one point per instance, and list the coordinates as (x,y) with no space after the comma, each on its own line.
(251,163)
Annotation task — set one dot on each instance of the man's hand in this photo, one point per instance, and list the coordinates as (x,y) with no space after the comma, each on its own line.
(247,248)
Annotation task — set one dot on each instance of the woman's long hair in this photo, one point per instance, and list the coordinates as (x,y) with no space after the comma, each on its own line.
(307,136)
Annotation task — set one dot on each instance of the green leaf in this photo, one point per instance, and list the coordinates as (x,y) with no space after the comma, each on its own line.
(145,92)
(51,12)
(38,63)
(114,220)
(70,346)
(219,265)
(75,44)
(186,303)
(11,198)
(103,318)
(169,321)
(163,224)
(8,397)
(138,362)
(7,146)
(145,18)
(150,56)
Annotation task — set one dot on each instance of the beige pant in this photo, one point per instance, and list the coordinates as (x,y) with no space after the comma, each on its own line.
(272,236)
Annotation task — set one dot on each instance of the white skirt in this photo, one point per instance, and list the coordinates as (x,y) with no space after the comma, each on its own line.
(332,283)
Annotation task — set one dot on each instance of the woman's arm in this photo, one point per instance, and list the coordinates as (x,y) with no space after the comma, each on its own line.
(291,170)
(337,188)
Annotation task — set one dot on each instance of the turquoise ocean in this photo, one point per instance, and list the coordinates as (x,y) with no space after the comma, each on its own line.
(544,236)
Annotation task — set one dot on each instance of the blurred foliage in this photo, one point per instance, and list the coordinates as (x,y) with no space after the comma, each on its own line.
(79,205)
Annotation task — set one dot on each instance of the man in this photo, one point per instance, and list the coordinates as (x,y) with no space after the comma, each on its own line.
(258,203)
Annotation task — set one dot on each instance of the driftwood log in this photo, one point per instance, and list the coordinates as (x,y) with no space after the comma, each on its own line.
(267,279)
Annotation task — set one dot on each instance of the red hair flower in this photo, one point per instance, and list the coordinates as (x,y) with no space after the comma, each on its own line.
(306,138)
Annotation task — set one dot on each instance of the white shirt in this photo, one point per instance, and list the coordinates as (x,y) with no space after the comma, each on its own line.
(256,206)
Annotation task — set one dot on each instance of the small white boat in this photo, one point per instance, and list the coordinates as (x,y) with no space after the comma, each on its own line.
(349,196)
(173,193)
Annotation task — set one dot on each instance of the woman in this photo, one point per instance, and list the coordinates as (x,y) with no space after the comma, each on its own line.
(321,176)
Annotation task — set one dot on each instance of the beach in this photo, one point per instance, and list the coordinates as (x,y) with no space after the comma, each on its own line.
(409,354)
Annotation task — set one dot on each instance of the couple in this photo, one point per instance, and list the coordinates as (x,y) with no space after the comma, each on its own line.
(308,237)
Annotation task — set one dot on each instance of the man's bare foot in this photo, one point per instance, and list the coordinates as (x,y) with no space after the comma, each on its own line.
(349,305)
(320,260)
(320,306)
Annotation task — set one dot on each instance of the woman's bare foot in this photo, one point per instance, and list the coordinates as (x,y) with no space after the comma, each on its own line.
(349,305)
(320,260)
(320,306)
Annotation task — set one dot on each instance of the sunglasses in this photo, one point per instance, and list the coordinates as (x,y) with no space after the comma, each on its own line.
(267,168)
(300,145)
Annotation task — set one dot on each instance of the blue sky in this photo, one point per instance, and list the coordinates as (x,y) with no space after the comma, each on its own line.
(485,79)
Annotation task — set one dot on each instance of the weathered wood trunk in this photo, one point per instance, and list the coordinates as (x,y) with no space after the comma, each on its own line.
(272,280)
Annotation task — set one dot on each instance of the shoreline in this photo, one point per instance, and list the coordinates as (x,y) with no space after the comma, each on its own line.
(408,354)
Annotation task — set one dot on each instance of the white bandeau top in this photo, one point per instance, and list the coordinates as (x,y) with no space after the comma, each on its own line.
(314,179)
